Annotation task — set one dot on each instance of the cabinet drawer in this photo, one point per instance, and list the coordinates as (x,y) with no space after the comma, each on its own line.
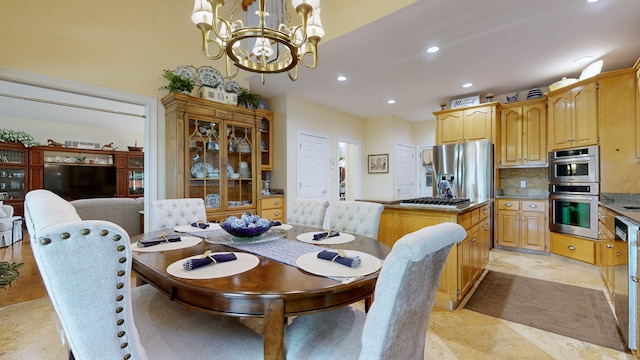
(504,204)
(272,203)
(540,206)
(484,212)
(273,214)
(573,247)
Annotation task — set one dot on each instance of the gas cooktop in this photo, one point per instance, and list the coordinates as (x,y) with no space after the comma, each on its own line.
(441,202)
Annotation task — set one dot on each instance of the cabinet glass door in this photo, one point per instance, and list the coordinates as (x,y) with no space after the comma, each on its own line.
(205,162)
(240,166)
(11,184)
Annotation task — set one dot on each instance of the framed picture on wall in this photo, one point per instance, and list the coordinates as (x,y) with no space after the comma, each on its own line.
(378,163)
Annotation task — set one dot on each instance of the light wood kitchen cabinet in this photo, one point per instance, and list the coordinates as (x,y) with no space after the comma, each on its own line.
(572,116)
(637,69)
(574,247)
(466,260)
(611,252)
(266,142)
(213,152)
(272,208)
(523,134)
(466,124)
(522,224)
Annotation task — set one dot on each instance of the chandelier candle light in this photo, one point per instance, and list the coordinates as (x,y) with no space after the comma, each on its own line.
(265,41)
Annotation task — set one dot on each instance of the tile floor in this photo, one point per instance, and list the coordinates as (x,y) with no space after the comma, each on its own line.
(29,329)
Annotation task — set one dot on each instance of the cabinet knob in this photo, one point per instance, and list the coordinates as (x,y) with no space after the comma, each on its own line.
(610,246)
(618,253)
(277,213)
(276,202)
(508,205)
(484,211)
(474,240)
(533,205)
(571,247)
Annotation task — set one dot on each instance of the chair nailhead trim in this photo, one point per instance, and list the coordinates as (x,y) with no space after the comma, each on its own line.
(120,321)
(121,333)
(45,241)
(121,248)
(123,260)
(104,232)
(120,285)
(85,232)
(117,237)
(119,309)
(121,273)
(119,298)
(124,345)
(127,357)
(65,235)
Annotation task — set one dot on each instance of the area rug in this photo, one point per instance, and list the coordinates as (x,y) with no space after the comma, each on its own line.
(572,311)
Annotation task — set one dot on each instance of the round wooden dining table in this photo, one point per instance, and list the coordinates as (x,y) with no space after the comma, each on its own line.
(272,290)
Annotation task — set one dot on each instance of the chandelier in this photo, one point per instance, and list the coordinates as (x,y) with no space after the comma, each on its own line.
(264,41)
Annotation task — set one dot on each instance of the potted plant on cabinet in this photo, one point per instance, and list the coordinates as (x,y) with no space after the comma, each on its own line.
(248,99)
(177,83)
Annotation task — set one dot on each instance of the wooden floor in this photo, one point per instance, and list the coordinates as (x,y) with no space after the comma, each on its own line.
(29,285)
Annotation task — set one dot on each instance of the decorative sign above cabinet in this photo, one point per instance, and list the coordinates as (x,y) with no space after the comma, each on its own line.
(464,102)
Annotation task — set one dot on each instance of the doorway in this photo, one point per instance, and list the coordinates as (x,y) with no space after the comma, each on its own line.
(425,171)
(348,169)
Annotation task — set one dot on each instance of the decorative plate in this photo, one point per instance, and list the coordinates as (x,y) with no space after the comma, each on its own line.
(230,170)
(198,169)
(232,86)
(185,72)
(210,77)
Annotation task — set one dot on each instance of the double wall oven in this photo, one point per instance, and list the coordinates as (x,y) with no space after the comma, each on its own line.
(574,176)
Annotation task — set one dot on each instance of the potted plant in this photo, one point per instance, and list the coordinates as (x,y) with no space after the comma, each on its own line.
(8,273)
(178,83)
(248,99)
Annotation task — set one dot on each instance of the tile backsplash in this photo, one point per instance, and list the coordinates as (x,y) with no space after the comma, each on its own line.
(536,179)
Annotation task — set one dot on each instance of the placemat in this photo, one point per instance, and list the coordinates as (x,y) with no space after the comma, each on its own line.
(185,242)
(311,263)
(245,262)
(343,238)
(196,230)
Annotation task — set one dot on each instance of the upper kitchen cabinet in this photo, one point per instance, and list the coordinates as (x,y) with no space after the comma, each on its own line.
(523,134)
(266,141)
(214,152)
(572,116)
(466,124)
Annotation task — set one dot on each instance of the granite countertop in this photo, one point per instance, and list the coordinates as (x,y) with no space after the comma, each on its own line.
(619,202)
(524,197)
(395,204)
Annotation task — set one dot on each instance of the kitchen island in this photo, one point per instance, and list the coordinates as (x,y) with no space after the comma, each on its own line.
(466,260)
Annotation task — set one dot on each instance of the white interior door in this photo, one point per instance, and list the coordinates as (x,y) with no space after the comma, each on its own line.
(405,171)
(312,166)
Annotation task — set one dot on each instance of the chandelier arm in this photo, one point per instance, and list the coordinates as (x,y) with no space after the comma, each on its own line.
(205,46)
(293,77)
(217,20)
(231,74)
(313,41)
(304,11)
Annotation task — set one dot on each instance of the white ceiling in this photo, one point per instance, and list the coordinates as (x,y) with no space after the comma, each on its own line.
(501,46)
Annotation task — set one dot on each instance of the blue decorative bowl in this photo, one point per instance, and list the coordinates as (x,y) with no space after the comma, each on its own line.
(236,228)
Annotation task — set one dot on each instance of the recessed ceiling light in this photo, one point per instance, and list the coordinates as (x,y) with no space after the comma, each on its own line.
(391,101)
(467,85)
(584,59)
(342,78)
(433,49)
(592,1)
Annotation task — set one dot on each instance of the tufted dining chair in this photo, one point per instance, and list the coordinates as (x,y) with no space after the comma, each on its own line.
(309,212)
(169,213)
(356,217)
(86,269)
(396,325)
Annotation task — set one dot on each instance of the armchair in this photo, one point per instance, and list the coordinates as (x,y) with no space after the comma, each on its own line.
(10,226)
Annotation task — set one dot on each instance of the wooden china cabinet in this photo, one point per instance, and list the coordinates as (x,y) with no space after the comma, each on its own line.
(215,152)
(13,175)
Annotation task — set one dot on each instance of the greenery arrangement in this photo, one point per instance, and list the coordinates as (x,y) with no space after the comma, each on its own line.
(247,99)
(177,83)
(8,273)
(8,135)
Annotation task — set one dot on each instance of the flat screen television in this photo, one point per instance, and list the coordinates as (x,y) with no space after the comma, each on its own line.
(80,181)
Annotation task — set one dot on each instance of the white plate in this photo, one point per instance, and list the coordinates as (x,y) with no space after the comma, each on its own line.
(245,262)
(197,170)
(189,228)
(185,242)
(591,70)
(283,227)
(210,77)
(310,262)
(232,86)
(185,72)
(340,239)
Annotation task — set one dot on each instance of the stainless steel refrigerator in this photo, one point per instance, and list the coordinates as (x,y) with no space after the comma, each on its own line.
(467,169)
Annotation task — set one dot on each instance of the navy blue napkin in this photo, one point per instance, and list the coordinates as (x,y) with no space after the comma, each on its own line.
(335,257)
(201,225)
(163,239)
(276,223)
(191,264)
(324,235)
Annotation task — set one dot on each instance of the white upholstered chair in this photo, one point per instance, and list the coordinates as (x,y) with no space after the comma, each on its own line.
(169,213)
(10,226)
(356,217)
(309,212)
(396,325)
(86,269)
